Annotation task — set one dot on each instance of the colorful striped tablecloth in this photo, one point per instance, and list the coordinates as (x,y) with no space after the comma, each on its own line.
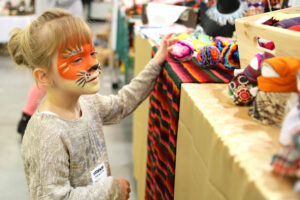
(163,121)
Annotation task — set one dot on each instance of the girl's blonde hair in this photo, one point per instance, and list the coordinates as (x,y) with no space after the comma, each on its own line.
(35,45)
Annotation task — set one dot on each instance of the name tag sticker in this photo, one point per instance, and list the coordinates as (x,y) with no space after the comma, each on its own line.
(99,172)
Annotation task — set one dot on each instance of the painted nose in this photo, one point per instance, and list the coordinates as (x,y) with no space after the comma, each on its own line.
(94,67)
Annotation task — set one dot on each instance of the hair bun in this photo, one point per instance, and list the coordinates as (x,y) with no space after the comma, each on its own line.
(15,48)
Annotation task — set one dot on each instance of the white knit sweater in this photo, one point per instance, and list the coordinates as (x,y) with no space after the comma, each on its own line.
(59,154)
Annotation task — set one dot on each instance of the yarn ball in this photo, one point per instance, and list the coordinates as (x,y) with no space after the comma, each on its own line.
(208,56)
(220,44)
(230,56)
(182,51)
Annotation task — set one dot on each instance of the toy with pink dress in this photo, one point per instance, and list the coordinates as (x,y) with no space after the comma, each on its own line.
(287,161)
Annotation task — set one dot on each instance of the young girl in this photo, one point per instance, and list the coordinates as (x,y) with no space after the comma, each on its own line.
(64,151)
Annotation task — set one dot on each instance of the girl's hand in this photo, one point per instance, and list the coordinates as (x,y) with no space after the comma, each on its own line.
(125,185)
(162,52)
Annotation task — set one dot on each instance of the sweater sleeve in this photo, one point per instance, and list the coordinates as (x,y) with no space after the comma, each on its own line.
(54,181)
(113,108)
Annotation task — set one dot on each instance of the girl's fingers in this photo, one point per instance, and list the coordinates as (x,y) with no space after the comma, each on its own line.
(168,36)
(173,41)
(168,43)
(164,43)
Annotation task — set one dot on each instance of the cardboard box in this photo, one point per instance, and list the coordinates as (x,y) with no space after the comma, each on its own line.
(287,42)
(143,49)
(222,153)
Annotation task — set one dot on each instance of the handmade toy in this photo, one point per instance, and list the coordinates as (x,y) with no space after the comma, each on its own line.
(220,44)
(229,57)
(182,51)
(292,119)
(277,87)
(242,86)
(287,161)
(208,56)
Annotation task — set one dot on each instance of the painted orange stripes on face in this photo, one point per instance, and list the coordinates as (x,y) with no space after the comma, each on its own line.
(72,60)
(63,65)
(67,69)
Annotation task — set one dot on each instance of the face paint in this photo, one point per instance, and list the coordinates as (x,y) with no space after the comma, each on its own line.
(78,63)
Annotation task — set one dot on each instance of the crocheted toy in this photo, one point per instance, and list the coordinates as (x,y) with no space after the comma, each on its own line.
(230,56)
(279,74)
(182,51)
(287,161)
(243,86)
(196,38)
(277,86)
(220,44)
(291,121)
(239,89)
(208,56)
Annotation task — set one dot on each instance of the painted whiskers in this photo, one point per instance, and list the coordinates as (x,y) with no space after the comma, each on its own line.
(87,76)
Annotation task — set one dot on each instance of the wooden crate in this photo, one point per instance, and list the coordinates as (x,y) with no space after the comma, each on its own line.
(287,42)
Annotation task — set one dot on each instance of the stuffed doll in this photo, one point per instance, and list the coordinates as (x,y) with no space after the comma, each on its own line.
(277,86)
(208,56)
(244,80)
(222,52)
(183,50)
(243,86)
(229,54)
(287,161)
(292,120)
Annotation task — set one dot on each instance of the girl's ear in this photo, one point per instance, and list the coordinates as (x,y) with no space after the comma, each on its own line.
(42,77)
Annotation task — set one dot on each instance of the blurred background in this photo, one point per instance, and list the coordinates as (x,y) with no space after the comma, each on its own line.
(126,34)
(17,83)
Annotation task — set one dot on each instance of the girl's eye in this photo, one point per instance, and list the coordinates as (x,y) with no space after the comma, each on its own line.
(94,53)
(76,61)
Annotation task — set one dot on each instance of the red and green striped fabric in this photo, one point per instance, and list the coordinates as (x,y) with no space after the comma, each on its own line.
(163,121)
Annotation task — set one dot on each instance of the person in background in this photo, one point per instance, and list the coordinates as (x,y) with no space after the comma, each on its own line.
(63,149)
(87,3)
(36,94)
